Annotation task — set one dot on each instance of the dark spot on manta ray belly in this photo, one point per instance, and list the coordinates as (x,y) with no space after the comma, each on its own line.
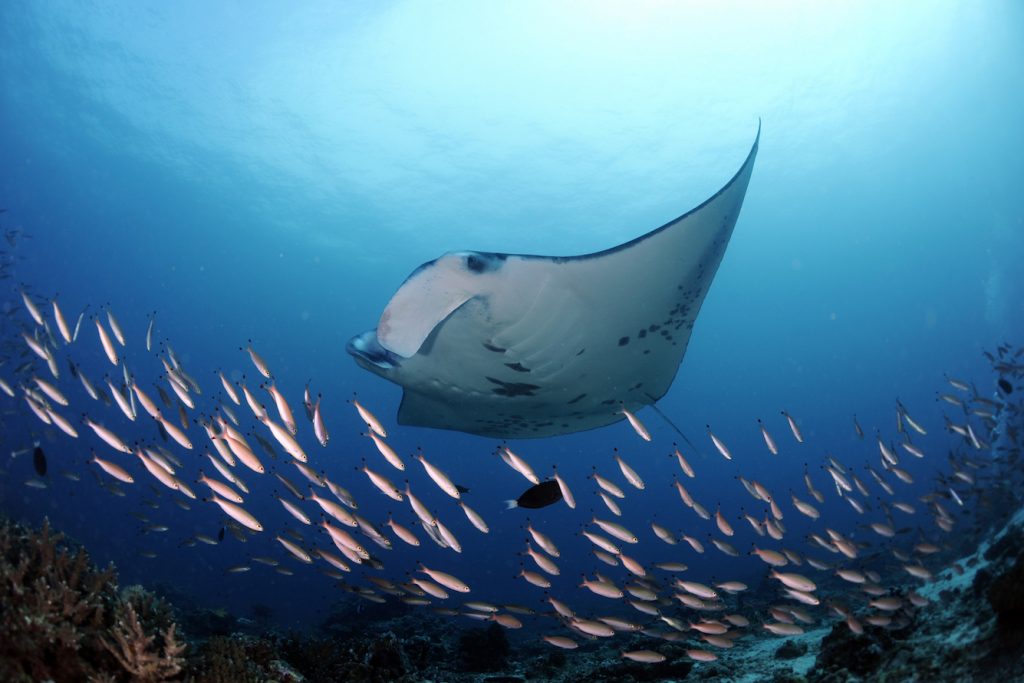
(623,341)
(511,389)
(492,347)
(578,398)
(518,367)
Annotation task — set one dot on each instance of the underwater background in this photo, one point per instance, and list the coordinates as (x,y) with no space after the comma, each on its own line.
(256,173)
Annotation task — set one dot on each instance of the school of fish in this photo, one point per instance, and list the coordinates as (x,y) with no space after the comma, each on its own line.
(247,423)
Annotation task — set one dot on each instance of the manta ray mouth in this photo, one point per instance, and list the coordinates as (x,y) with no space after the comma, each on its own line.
(370,354)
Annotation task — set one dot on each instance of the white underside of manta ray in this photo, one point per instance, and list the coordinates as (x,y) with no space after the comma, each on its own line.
(518,346)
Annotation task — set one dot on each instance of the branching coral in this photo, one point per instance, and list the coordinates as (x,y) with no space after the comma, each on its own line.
(146,660)
(62,619)
(51,600)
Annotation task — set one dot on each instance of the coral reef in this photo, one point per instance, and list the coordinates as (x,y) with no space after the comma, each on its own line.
(202,622)
(791,649)
(676,668)
(396,648)
(62,619)
(376,656)
(1006,596)
(969,631)
(845,654)
(148,658)
(483,649)
(53,602)
(234,659)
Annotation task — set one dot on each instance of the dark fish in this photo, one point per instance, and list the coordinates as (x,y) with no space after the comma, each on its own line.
(39,461)
(73,368)
(267,447)
(461,488)
(1005,386)
(163,431)
(220,535)
(164,397)
(539,496)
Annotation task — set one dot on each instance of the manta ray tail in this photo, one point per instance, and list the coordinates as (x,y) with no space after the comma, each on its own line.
(672,424)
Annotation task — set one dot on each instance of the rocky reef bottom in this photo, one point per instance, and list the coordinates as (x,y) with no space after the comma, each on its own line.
(63,619)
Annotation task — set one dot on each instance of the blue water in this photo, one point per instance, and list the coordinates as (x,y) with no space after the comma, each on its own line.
(257,172)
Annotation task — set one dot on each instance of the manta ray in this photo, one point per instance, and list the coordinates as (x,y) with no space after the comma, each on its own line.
(521,346)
